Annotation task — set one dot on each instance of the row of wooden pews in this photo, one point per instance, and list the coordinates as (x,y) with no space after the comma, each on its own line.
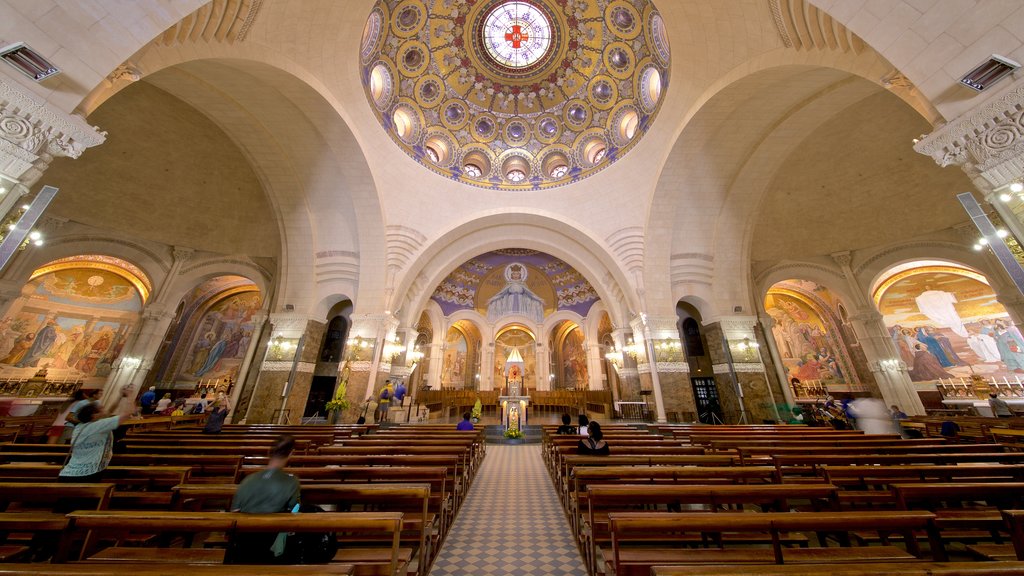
(390,496)
(790,500)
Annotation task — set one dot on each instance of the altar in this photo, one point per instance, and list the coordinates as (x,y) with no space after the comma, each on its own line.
(514,405)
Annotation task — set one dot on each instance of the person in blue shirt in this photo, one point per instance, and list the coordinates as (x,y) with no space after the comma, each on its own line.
(399,394)
(465,424)
(148,400)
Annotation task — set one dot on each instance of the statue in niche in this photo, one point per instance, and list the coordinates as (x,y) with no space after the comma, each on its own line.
(515,298)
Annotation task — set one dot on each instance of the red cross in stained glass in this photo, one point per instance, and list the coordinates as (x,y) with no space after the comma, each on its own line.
(517,36)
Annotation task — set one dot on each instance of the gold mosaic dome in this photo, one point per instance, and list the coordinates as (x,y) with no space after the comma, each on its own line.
(515,94)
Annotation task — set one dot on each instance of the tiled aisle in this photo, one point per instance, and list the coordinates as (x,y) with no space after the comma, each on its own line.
(511,523)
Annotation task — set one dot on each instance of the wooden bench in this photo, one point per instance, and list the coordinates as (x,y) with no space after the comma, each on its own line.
(39,524)
(867,569)
(627,557)
(606,499)
(150,569)
(973,507)
(103,524)
(871,484)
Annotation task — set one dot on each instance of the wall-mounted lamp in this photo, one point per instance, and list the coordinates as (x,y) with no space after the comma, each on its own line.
(392,349)
(414,356)
(890,364)
(358,342)
(615,357)
(632,348)
(747,344)
(281,344)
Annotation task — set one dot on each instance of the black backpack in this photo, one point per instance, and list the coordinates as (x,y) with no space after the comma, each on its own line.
(310,547)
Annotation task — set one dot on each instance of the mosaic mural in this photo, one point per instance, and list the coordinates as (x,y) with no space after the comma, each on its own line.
(806,330)
(572,357)
(947,324)
(74,320)
(514,94)
(519,339)
(515,282)
(211,334)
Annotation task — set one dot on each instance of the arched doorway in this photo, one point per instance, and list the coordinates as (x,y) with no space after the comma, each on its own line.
(522,339)
(460,367)
(568,362)
(705,392)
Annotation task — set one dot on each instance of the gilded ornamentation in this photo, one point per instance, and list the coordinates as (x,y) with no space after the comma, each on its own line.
(515,94)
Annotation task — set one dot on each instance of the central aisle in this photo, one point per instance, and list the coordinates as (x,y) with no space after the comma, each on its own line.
(512,523)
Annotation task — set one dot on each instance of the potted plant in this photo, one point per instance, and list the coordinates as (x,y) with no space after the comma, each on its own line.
(335,406)
(474,414)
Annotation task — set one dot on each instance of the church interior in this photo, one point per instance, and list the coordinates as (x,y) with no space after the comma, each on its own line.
(765,256)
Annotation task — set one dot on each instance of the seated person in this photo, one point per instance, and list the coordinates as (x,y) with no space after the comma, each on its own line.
(594,444)
(566,428)
(269,491)
(465,424)
(583,421)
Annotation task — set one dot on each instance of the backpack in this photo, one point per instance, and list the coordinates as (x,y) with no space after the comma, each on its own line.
(310,547)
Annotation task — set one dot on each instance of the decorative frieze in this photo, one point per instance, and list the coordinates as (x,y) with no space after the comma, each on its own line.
(285,366)
(673,367)
(747,367)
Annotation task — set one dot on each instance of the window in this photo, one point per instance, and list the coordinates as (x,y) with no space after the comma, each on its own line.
(472,170)
(516,34)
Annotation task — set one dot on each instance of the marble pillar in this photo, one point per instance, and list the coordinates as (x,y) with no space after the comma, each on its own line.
(740,374)
(286,373)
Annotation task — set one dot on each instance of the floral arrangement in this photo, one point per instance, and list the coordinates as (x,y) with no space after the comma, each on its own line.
(513,433)
(340,401)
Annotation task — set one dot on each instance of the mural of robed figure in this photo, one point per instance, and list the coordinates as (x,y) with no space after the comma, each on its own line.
(515,298)
(40,345)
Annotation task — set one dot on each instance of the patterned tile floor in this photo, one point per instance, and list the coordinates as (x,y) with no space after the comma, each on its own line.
(511,523)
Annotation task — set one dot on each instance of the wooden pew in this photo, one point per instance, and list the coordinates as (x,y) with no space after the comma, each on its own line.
(792,467)
(48,501)
(149,569)
(411,499)
(948,501)
(604,499)
(39,524)
(626,528)
(915,568)
(135,486)
(371,561)
(871,484)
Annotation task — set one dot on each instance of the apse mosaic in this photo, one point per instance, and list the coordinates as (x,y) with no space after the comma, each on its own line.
(947,324)
(521,339)
(515,94)
(74,319)
(515,283)
(806,330)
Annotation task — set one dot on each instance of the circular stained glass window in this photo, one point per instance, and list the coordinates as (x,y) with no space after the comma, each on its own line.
(516,34)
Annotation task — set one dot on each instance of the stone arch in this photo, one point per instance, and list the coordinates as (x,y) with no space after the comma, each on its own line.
(324,196)
(824,275)
(567,241)
(876,265)
(148,260)
(194,273)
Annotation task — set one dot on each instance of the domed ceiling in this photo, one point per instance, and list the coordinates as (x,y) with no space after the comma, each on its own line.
(515,94)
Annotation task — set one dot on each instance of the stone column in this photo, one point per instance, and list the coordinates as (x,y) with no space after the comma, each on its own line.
(487,366)
(362,360)
(594,361)
(890,379)
(773,352)
(740,374)
(286,373)
(647,361)
(31,135)
(259,321)
(671,368)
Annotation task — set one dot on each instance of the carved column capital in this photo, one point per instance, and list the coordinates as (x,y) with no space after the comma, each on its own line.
(987,142)
(182,254)
(32,134)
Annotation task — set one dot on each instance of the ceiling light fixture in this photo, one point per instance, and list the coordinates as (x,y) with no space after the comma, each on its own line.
(28,61)
(1016,187)
(984,75)
(1005,197)
(1002,233)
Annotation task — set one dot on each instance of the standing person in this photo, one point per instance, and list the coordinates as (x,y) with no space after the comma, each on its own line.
(384,401)
(400,391)
(871,416)
(92,442)
(583,422)
(148,400)
(594,444)
(1000,409)
(269,491)
(215,419)
(465,424)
